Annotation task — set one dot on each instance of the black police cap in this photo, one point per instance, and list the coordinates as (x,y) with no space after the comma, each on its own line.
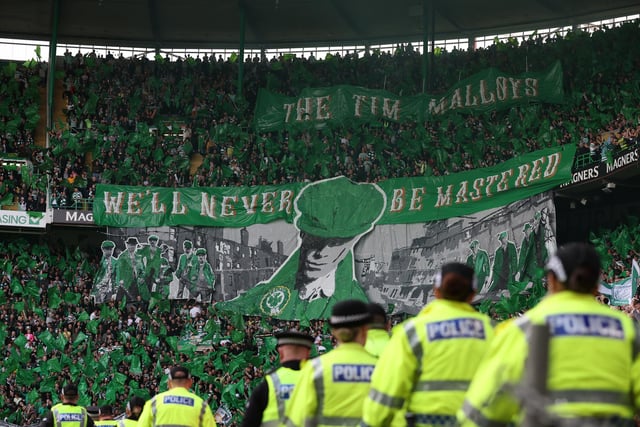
(70,390)
(293,337)
(349,313)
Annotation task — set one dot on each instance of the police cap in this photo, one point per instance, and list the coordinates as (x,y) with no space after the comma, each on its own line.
(293,337)
(93,411)
(574,256)
(135,402)
(378,314)
(70,390)
(106,410)
(201,251)
(349,313)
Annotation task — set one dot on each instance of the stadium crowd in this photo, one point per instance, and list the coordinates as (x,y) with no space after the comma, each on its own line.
(134,121)
(140,122)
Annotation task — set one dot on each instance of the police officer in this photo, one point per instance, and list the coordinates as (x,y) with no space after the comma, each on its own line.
(132,412)
(267,402)
(105,417)
(378,333)
(431,358)
(593,369)
(177,406)
(68,413)
(332,387)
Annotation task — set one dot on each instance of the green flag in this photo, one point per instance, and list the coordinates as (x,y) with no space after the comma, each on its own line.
(72,298)
(25,377)
(80,338)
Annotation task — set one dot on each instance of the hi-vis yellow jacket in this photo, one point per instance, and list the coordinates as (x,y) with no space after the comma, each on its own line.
(427,366)
(280,383)
(66,415)
(377,340)
(331,388)
(177,407)
(593,365)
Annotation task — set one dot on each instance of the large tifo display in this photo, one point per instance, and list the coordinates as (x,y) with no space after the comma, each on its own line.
(290,251)
(485,91)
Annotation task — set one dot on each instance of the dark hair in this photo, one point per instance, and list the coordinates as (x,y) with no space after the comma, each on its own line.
(456,287)
(378,314)
(456,281)
(581,265)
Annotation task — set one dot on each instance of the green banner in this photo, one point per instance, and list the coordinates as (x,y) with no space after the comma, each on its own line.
(403,200)
(487,90)
(423,199)
(131,206)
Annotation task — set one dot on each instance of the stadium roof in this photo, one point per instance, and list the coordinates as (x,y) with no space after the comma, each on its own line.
(280,23)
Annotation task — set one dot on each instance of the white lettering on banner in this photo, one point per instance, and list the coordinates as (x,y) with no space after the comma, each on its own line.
(455,328)
(506,89)
(178,400)
(113,205)
(444,198)
(133,205)
(227,207)
(397,201)
(343,373)
(156,206)
(208,206)
(592,325)
(178,208)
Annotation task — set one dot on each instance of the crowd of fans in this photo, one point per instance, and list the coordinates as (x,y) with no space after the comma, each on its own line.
(134,121)
(54,333)
(138,122)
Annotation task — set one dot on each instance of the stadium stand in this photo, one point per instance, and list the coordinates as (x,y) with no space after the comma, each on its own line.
(178,123)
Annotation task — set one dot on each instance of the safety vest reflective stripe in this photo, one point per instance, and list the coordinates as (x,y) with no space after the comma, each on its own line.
(337,421)
(596,396)
(272,423)
(385,399)
(202,412)
(287,422)
(442,385)
(636,341)
(318,382)
(416,346)
(172,425)
(595,422)
(436,420)
(478,418)
(276,386)
(154,410)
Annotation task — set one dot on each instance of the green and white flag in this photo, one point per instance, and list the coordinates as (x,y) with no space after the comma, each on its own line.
(623,291)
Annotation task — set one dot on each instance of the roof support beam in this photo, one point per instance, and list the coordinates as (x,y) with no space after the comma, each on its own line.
(156,32)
